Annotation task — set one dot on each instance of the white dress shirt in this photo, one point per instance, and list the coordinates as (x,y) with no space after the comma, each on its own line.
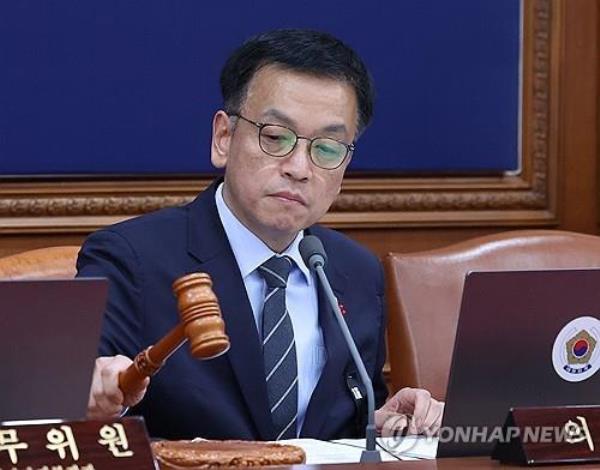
(301,298)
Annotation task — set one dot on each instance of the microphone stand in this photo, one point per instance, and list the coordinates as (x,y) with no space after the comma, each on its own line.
(370,454)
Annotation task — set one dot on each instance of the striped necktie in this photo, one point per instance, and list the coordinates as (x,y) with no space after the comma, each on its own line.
(279,348)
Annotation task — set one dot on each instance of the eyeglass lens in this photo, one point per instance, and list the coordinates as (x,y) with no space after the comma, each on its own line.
(278,141)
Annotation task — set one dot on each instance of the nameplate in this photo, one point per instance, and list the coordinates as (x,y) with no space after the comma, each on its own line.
(75,445)
(547,435)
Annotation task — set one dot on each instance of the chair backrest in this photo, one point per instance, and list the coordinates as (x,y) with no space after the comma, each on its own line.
(424,291)
(43,263)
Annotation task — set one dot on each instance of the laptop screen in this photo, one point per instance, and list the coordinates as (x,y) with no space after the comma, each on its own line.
(49,334)
(526,338)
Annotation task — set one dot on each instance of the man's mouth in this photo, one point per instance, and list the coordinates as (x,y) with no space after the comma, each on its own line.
(289,196)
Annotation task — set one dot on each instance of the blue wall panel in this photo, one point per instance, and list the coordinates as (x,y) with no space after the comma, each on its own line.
(130,87)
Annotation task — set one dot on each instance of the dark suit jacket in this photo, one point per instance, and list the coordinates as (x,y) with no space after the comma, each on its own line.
(226,397)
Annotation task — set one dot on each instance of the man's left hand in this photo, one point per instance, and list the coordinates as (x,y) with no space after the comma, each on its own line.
(411,408)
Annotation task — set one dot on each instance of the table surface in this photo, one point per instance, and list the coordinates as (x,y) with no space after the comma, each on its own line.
(481,463)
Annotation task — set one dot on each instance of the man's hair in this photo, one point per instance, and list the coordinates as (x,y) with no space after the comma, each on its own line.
(299,50)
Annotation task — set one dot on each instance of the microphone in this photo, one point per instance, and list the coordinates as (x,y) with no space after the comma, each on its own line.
(313,255)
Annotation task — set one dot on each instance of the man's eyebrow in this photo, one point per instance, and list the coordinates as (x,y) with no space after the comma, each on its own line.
(335,128)
(281,117)
(278,115)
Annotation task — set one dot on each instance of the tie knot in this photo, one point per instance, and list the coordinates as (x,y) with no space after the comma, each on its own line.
(276,270)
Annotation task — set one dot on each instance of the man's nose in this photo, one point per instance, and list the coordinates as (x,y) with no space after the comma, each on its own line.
(297,164)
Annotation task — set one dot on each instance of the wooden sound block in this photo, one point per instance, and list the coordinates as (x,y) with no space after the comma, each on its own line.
(195,455)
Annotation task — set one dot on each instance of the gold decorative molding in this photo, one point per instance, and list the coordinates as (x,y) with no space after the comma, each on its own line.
(527,198)
(87,205)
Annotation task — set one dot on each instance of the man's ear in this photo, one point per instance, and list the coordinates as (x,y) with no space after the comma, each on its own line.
(222,132)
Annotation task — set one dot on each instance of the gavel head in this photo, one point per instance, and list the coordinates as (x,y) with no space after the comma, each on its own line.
(201,316)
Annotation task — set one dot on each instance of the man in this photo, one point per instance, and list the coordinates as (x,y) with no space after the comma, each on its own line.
(295,102)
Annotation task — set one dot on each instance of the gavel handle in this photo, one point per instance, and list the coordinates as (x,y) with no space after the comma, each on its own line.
(149,361)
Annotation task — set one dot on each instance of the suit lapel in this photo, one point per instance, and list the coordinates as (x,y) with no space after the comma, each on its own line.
(208,243)
(337,354)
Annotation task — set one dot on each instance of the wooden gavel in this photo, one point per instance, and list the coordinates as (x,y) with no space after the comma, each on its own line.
(201,324)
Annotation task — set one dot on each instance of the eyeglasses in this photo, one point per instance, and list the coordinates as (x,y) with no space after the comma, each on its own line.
(280,141)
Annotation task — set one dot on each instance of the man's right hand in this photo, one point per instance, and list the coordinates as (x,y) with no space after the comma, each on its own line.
(106,399)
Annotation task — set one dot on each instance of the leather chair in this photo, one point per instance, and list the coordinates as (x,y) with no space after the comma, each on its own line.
(44,263)
(424,291)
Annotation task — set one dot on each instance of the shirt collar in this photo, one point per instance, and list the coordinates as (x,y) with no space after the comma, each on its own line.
(249,250)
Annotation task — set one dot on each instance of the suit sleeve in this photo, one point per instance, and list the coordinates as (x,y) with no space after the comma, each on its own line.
(108,254)
(379,385)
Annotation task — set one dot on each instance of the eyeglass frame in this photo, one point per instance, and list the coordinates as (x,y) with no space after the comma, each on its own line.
(261,125)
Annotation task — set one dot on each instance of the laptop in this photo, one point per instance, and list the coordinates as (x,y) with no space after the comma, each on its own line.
(526,338)
(49,335)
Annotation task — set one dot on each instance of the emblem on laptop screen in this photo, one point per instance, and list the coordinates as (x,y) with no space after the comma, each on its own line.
(575,354)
